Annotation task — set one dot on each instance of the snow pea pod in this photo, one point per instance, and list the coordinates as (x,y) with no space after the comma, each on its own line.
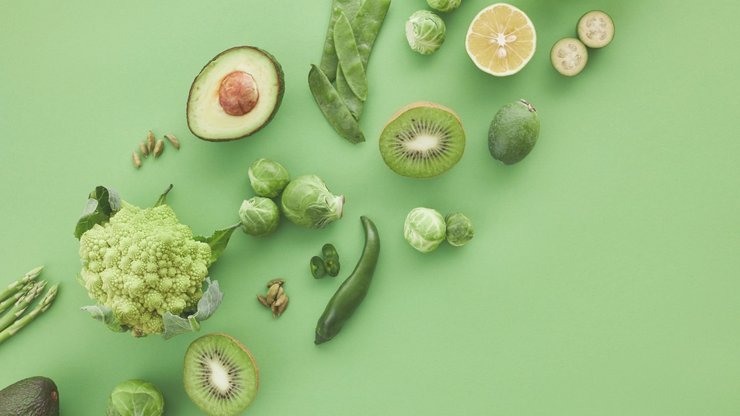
(353,290)
(332,106)
(349,57)
(366,27)
(329,60)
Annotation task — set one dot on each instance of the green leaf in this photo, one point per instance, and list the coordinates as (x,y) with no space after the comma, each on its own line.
(102,204)
(175,325)
(105,315)
(210,301)
(163,198)
(218,241)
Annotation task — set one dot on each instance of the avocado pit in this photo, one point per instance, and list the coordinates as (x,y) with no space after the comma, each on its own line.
(238,93)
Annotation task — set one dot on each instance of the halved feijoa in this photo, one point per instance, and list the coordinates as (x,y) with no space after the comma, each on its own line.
(422,140)
(236,94)
(596,29)
(221,376)
(569,56)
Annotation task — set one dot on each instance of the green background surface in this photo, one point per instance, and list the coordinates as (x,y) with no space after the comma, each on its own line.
(603,279)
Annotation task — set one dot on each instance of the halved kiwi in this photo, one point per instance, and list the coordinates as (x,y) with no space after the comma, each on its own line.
(221,376)
(569,56)
(422,140)
(596,29)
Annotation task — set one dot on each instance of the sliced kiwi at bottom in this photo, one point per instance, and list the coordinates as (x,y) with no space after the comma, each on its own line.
(569,56)
(220,376)
(422,140)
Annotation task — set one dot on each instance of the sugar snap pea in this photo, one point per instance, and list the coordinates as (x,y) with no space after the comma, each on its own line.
(353,290)
(332,106)
(349,57)
(329,56)
(366,27)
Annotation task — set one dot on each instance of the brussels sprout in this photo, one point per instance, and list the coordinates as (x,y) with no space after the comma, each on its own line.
(459,229)
(267,177)
(424,229)
(259,216)
(425,32)
(308,202)
(444,5)
(135,398)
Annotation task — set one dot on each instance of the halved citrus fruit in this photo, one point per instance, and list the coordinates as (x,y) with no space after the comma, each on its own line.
(501,40)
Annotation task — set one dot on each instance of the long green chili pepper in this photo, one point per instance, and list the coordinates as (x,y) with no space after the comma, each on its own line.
(349,57)
(366,27)
(332,106)
(353,290)
(329,56)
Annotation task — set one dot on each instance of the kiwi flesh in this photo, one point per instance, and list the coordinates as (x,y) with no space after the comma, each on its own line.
(422,140)
(221,376)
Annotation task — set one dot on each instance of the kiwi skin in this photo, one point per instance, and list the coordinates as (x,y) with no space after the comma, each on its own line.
(389,159)
(189,381)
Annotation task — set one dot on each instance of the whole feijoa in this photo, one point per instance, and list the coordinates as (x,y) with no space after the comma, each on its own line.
(513,132)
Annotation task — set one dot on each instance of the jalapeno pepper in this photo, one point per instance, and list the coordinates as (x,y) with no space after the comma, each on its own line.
(353,290)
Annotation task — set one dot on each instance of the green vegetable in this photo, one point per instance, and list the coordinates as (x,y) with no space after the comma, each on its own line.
(351,293)
(20,284)
(318,267)
(444,5)
(366,27)
(349,57)
(329,57)
(459,229)
(43,305)
(329,251)
(308,202)
(424,229)
(259,216)
(331,105)
(268,178)
(332,267)
(135,398)
(21,305)
(425,32)
(141,264)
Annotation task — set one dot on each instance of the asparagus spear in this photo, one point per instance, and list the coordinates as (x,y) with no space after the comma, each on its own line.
(21,305)
(43,305)
(13,288)
(7,303)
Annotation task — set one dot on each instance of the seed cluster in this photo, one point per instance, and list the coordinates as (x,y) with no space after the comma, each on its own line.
(415,142)
(217,359)
(152,146)
(275,299)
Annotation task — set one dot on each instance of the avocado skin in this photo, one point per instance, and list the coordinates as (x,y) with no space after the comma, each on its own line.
(281,92)
(34,396)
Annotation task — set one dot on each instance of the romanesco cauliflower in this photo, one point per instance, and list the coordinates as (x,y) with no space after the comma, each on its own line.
(143,263)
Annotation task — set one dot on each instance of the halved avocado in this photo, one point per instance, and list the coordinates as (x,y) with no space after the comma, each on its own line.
(236,94)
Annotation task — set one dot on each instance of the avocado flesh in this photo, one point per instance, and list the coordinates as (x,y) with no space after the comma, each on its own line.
(208,120)
(35,396)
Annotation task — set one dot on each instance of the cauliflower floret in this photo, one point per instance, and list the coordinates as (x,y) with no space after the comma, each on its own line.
(143,263)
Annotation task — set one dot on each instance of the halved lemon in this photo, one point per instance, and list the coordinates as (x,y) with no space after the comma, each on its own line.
(501,40)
